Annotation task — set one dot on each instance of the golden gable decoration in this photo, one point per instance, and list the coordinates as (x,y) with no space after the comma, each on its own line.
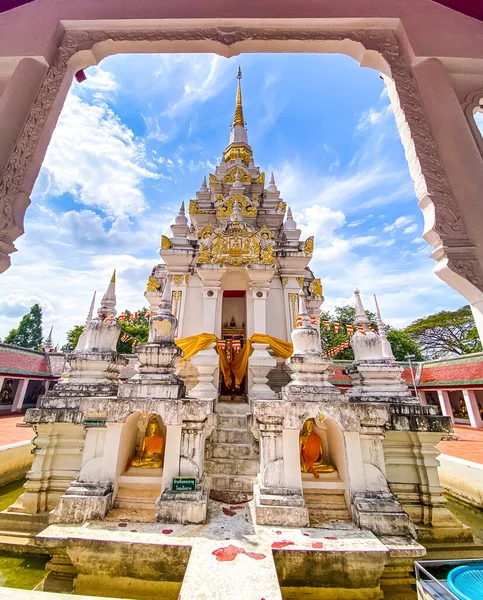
(230,177)
(260,179)
(196,210)
(316,287)
(206,231)
(247,210)
(237,245)
(240,151)
(153,284)
(213,179)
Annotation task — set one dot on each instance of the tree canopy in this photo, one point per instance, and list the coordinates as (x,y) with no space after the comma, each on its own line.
(136,328)
(29,332)
(401,342)
(446,333)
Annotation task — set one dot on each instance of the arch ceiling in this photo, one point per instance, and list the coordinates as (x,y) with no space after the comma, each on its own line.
(471,8)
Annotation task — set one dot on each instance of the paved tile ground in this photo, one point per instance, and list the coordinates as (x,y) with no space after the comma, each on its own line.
(468,445)
(10,433)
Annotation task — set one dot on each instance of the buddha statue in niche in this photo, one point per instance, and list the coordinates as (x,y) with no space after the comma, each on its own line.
(150,454)
(311,452)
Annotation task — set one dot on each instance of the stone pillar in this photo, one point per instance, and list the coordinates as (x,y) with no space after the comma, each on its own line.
(171,455)
(192,457)
(456,237)
(206,361)
(20,395)
(375,507)
(278,502)
(472,408)
(422,397)
(445,404)
(57,461)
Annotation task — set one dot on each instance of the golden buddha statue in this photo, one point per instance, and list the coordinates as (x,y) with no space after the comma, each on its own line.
(311,452)
(150,455)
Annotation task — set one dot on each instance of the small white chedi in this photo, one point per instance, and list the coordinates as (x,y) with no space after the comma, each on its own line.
(233,390)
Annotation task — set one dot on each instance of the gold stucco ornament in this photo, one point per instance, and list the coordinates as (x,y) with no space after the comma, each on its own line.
(196,210)
(150,454)
(316,287)
(153,284)
(230,177)
(226,209)
(165,243)
(309,245)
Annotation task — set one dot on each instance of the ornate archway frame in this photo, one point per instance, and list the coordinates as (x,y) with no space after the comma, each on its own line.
(380,45)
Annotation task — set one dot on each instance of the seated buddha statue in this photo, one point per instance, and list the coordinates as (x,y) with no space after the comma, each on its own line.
(311,452)
(150,454)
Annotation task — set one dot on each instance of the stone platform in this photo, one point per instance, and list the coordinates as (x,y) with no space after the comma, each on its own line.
(213,560)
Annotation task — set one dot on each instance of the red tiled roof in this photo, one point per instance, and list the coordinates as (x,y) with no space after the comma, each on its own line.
(462,371)
(20,361)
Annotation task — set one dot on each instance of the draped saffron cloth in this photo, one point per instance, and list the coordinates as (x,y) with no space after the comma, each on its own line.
(310,451)
(238,367)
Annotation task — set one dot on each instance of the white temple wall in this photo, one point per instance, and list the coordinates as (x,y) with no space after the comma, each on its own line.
(192,323)
(275,312)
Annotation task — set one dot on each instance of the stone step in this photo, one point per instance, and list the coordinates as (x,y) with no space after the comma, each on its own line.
(326,505)
(231,421)
(234,451)
(232,483)
(232,408)
(232,436)
(218,466)
(325,500)
(320,516)
(129,497)
(14,521)
(19,541)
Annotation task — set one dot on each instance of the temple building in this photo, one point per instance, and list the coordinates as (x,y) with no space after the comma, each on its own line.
(231,414)
(237,268)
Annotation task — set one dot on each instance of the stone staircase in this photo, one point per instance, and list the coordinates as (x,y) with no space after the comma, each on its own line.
(232,460)
(326,505)
(139,489)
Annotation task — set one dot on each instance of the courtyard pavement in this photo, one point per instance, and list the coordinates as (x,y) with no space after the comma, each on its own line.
(10,433)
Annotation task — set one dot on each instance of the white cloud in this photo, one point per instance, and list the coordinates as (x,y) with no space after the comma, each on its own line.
(202,76)
(411,229)
(96,158)
(100,81)
(400,222)
(479,121)
(372,117)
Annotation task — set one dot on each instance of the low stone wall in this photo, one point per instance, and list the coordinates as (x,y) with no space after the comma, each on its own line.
(462,479)
(15,461)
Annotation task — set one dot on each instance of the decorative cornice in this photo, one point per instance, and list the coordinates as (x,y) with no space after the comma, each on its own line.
(421,150)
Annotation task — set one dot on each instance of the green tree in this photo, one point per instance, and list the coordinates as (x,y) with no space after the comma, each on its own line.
(73,337)
(137,328)
(401,342)
(402,345)
(446,333)
(29,332)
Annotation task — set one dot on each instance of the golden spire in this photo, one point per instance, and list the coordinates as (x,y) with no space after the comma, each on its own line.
(238,118)
(113,278)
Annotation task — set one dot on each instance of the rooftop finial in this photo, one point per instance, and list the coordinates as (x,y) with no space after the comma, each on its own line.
(181,209)
(91,309)
(238,118)
(113,278)
(386,346)
(360,317)
(108,302)
(48,346)
(204,187)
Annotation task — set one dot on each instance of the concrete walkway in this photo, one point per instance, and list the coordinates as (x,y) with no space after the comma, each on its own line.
(467,445)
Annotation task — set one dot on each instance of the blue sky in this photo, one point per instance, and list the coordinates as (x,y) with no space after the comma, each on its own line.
(136,139)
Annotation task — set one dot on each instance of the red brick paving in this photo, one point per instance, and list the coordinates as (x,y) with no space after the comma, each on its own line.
(468,446)
(10,433)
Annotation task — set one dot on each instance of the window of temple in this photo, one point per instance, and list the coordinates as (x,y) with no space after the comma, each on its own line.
(8,392)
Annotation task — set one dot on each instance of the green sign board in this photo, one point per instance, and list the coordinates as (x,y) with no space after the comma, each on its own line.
(183,484)
(94,422)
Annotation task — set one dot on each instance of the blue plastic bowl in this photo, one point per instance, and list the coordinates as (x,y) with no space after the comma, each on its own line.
(466,582)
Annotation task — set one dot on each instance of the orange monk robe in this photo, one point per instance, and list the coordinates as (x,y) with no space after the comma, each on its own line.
(153,444)
(311,451)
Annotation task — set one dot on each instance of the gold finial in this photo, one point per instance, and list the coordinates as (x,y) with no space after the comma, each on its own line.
(238,119)
(113,278)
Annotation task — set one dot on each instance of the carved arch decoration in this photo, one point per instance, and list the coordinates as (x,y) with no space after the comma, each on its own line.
(445,227)
(471,102)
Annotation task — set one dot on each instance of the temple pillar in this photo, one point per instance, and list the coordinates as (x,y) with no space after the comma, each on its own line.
(278,501)
(472,408)
(20,395)
(171,455)
(445,404)
(422,397)
(260,361)
(375,507)
(192,456)
(455,233)
(206,362)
